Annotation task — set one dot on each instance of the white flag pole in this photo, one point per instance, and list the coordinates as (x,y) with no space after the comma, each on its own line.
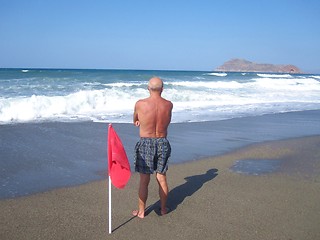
(110,229)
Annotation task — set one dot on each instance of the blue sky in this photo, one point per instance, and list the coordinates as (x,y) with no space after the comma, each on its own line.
(169,35)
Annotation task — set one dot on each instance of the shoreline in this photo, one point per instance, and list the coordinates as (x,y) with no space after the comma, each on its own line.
(206,198)
(38,157)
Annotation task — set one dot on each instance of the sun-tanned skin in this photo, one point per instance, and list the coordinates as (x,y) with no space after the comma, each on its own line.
(153,116)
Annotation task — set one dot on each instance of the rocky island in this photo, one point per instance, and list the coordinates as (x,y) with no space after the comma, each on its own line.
(242,65)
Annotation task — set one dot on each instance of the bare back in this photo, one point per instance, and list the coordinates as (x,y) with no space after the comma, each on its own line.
(153,115)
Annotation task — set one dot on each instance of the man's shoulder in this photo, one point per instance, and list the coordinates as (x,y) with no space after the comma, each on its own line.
(167,101)
(149,100)
(141,103)
(142,100)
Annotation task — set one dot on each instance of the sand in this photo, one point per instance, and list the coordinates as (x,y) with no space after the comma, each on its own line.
(208,201)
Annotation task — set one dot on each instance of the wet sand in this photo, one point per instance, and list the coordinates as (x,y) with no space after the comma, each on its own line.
(207,201)
(37,157)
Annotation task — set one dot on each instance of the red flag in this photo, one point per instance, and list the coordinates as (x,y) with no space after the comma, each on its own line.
(118,164)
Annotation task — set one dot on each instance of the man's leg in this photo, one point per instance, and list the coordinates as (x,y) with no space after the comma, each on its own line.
(143,194)
(163,192)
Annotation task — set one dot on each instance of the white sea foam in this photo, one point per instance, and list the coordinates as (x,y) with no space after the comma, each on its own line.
(273,75)
(202,84)
(82,105)
(196,97)
(280,84)
(217,74)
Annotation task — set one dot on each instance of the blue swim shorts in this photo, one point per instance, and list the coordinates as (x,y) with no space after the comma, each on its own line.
(152,154)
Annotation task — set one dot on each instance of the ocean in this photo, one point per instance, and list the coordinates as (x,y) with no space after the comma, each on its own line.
(37,95)
(53,122)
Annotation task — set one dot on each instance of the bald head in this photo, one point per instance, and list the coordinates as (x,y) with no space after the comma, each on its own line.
(155,84)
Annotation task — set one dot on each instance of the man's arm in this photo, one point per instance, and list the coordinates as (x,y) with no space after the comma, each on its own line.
(135,116)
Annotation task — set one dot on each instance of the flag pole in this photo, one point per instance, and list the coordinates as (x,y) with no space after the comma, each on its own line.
(118,165)
(109,182)
(110,229)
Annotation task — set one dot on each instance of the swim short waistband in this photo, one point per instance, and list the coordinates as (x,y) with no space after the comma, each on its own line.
(153,138)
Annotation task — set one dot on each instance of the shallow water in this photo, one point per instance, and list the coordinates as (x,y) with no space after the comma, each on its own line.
(36,157)
(256,166)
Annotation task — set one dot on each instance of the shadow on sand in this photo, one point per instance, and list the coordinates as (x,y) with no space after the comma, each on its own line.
(180,193)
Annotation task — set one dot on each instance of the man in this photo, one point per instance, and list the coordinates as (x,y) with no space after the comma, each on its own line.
(153,116)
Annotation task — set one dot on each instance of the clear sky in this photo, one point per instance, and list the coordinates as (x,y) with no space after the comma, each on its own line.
(165,34)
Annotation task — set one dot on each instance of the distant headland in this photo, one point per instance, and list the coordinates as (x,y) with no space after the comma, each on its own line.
(242,65)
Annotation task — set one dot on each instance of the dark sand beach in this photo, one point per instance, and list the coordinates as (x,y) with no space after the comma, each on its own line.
(208,199)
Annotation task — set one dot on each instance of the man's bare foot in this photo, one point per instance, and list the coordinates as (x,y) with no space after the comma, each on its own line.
(136,213)
(164,211)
